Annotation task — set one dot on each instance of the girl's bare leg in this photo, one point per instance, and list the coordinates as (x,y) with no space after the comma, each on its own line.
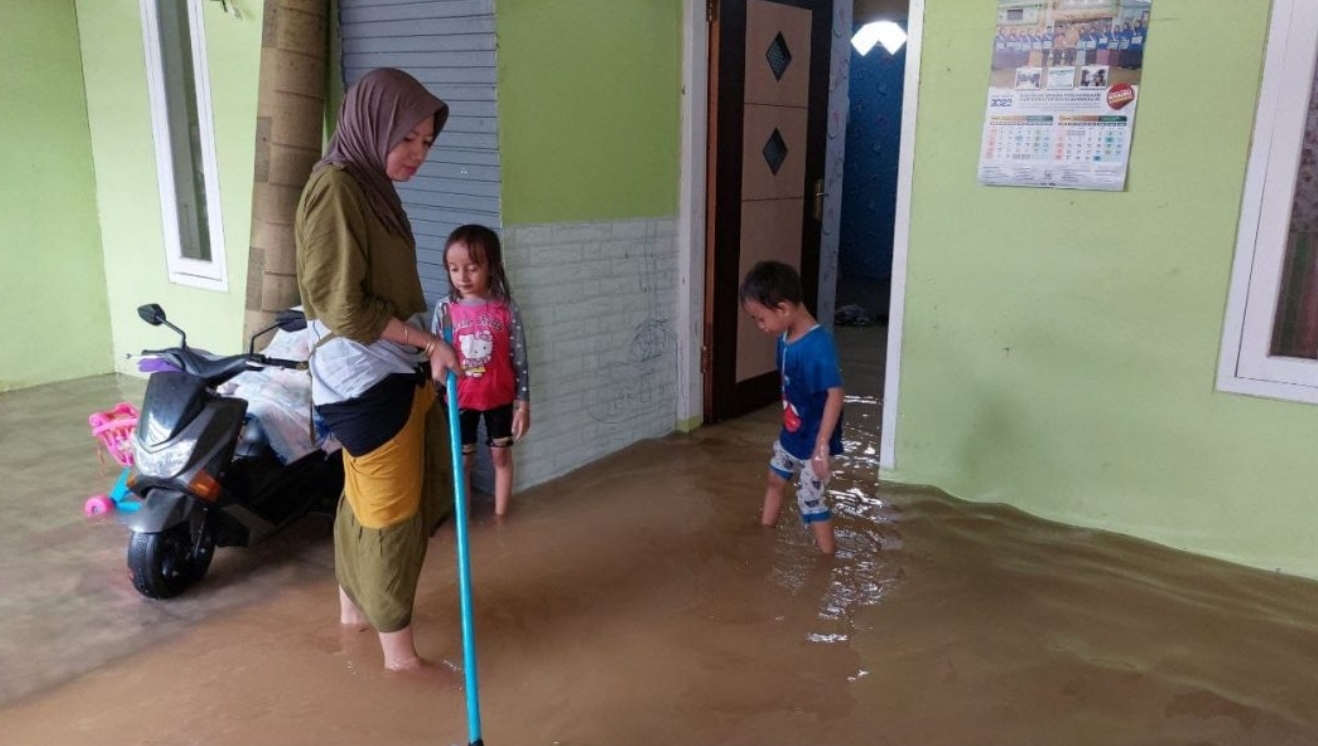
(349,614)
(773,499)
(503,478)
(468,463)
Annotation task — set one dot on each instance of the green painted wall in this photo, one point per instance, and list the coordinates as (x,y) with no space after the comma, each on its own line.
(1061,347)
(589,108)
(53,319)
(119,111)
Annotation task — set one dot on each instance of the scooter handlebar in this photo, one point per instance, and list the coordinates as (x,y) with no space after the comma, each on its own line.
(213,368)
(276,362)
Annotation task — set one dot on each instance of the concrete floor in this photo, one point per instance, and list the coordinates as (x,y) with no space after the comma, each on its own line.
(871,294)
(66,605)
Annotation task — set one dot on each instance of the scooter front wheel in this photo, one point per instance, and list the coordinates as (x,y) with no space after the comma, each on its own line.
(165,563)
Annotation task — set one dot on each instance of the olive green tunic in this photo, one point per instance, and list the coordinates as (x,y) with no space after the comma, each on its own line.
(353,276)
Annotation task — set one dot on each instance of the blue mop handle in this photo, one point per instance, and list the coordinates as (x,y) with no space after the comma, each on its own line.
(464,554)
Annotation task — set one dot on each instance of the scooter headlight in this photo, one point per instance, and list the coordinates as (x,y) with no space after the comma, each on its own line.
(166,462)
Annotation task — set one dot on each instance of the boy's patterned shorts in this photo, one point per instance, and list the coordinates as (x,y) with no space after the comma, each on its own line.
(809,489)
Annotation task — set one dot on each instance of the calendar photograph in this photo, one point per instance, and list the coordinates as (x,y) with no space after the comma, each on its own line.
(1094,76)
(1063,89)
(1029,77)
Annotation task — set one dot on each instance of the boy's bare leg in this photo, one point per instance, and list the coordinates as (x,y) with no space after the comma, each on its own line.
(349,614)
(400,650)
(824,536)
(773,499)
(502,457)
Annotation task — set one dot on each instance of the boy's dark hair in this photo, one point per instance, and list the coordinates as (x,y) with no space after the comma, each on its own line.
(770,283)
(485,248)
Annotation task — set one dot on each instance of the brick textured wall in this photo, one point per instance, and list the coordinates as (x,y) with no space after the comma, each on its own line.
(599,303)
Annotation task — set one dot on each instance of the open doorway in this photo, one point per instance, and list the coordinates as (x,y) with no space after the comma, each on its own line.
(868,203)
(701,209)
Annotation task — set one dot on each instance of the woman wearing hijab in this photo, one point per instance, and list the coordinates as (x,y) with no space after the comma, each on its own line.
(373,359)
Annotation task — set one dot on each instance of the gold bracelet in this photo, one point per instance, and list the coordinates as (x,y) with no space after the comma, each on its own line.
(429,348)
(406,339)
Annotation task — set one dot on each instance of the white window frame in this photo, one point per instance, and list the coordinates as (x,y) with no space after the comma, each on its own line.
(1245,365)
(184,270)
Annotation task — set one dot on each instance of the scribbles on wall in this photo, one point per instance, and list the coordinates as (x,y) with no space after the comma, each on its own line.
(627,389)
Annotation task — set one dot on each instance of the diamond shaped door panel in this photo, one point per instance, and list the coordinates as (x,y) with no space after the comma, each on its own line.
(761,150)
(777,54)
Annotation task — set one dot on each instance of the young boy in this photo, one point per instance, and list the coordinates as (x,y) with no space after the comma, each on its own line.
(812,396)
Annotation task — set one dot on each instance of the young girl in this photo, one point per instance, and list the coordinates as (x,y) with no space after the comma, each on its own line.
(491,347)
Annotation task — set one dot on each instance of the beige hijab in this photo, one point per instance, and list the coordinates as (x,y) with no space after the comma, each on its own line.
(377,113)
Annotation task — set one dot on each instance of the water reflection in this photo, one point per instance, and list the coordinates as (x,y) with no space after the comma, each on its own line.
(861,574)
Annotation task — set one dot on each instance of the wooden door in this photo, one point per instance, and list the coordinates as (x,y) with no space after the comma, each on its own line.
(767,134)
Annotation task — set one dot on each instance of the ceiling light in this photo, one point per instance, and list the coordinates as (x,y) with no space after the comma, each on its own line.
(887,33)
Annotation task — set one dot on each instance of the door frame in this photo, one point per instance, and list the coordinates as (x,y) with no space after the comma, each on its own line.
(692,191)
(691,231)
(901,236)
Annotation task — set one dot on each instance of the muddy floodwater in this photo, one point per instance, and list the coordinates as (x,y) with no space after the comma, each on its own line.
(636,601)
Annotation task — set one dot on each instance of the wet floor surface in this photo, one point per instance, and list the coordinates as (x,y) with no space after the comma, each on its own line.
(636,601)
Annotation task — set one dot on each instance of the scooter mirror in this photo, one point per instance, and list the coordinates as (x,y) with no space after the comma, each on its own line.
(291,320)
(152,314)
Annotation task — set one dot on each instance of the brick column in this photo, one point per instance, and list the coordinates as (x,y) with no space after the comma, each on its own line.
(290,113)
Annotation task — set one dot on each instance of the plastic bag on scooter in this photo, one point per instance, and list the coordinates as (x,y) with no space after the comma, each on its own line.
(289,345)
(280,399)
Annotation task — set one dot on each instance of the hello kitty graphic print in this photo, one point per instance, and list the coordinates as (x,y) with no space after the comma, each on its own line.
(482,339)
(476,349)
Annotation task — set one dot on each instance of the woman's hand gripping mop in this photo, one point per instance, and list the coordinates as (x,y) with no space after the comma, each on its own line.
(464,555)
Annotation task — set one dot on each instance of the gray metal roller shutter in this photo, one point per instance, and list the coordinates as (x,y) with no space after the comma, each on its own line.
(448,45)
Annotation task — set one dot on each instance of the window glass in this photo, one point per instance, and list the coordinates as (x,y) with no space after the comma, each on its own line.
(1295,327)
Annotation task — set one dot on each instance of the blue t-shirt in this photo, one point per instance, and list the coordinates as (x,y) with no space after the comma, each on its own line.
(1137,38)
(809,369)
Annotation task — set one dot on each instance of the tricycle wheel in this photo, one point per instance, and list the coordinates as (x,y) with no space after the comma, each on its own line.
(165,563)
(97,505)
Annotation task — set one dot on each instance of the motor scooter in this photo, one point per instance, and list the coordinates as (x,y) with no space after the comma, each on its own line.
(205,471)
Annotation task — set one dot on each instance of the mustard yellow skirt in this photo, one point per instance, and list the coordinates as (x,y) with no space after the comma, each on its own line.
(393,499)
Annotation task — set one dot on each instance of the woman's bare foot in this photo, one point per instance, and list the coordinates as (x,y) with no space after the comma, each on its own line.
(411,664)
(441,673)
(400,651)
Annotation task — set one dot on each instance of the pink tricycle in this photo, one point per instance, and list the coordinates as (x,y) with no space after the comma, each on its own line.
(115,428)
